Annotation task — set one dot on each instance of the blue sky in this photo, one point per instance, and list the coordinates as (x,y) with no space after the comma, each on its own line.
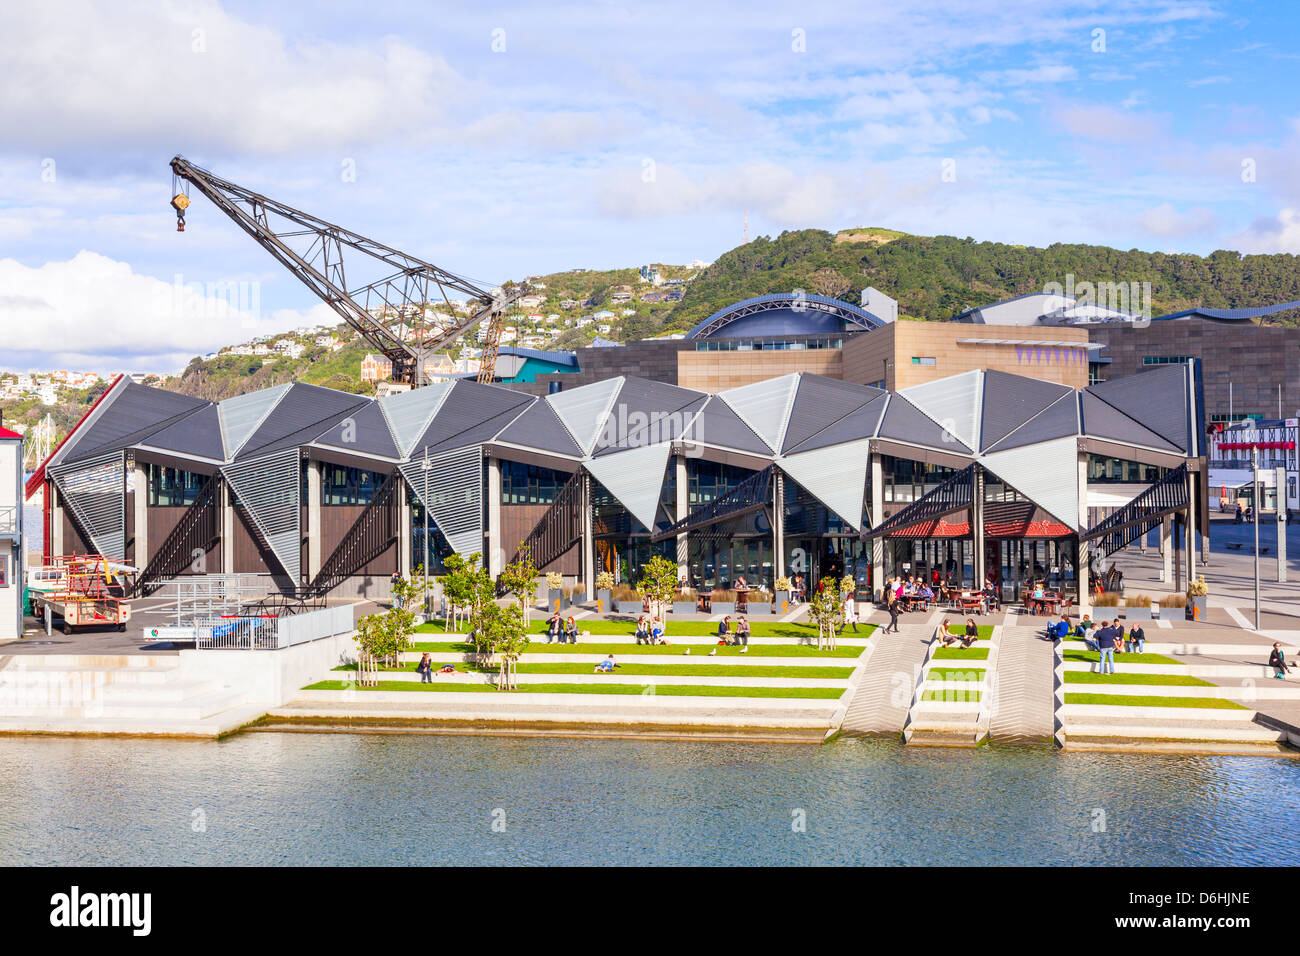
(500,140)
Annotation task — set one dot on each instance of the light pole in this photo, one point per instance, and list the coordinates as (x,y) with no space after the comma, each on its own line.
(1254,500)
(424,467)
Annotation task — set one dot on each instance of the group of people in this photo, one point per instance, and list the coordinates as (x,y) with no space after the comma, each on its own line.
(1107,639)
(650,630)
(426,669)
(969,635)
(737,634)
(558,630)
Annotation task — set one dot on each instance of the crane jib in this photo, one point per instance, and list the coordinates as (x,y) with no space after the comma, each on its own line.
(314,251)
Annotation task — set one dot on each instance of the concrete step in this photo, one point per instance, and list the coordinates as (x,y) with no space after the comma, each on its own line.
(176,691)
(1242,694)
(193,708)
(615,678)
(49,673)
(1075,712)
(94,660)
(1164,728)
(208,727)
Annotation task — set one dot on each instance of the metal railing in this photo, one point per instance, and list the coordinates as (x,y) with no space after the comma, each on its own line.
(8,519)
(266,632)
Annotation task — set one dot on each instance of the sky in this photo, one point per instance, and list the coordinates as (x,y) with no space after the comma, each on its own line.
(505,140)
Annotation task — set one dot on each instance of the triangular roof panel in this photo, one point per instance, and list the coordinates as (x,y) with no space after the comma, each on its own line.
(409,413)
(197,434)
(905,422)
(363,431)
(131,414)
(765,406)
(1012,400)
(635,477)
(539,427)
(1157,399)
(717,424)
(583,409)
(302,413)
(1057,420)
(1102,420)
(240,415)
(1047,473)
(861,423)
(819,403)
(954,402)
(835,475)
(471,414)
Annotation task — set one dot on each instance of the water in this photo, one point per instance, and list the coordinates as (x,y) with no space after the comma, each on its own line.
(298,798)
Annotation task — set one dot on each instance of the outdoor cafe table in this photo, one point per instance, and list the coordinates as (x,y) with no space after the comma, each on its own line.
(1043,605)
(971,602)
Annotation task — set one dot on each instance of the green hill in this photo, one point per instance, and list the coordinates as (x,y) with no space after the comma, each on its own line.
(935,277)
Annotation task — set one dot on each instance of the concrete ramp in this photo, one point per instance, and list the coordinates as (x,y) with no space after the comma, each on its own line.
(884,692)
(1022,703)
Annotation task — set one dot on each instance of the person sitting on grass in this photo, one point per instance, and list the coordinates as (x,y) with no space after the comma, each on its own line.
(657,632)
(643,631)
(1137,639)
(968,637)
(606,666)
(1277,661)
(1058,630)
(1090,635)
(742,632)
(570,631)
(425,669)
(724,630)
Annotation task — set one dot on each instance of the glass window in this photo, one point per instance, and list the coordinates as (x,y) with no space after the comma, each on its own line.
(923,360)
(174,487)
(344,485)
(529,484)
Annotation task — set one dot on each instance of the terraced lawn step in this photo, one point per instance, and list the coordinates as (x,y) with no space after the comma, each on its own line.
(1187,709)
(677,631)
(1122,665)
(560,687)
(620,676)
(773,649)
(733,662)
(1157,727)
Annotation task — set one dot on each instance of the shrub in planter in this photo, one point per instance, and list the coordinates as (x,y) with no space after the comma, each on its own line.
(1197,592)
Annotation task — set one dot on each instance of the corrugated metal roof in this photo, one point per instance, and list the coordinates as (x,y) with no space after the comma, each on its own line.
(1231,315)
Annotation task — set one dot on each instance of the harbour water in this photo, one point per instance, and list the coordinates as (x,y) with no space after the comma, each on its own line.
(344,798)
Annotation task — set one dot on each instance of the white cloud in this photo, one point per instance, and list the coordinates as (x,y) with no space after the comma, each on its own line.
(1208,80)
(1165,221)
(1280,233)
(58,313)
(140,75)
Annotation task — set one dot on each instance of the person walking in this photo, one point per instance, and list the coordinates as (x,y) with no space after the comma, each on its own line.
(850,614)
(1106,636)
(894,607)
(1277,661)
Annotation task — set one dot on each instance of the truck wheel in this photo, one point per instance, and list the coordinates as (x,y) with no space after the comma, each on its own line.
(121,627)
(66,628)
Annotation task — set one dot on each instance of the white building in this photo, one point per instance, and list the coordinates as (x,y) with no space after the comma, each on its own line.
(11,535)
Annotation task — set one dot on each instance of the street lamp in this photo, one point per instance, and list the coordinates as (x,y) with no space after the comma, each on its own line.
(1254,500)
(425,466)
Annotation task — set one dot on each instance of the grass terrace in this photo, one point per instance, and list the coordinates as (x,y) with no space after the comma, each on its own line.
(665,650)
(597,627)
(645,670)
(682,690)
(1093,657)
(1213,703)
(961,654)
(985,631)
(1167,680)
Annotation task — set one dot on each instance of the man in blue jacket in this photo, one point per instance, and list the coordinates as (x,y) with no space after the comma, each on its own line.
(1106,646)
(1059,629)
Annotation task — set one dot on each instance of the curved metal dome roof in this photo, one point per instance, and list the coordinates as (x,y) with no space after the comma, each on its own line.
(787,313)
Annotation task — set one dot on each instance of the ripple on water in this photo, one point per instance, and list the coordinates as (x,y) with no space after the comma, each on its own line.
(278,798)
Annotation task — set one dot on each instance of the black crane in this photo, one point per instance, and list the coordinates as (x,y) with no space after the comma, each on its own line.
(390,312)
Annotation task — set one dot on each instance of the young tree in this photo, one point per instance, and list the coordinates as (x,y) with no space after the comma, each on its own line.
(500,632)
(658,582)
(519,578)
(826,607)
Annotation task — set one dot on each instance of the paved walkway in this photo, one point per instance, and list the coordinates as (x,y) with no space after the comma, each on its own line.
(884,693)
(1022,698)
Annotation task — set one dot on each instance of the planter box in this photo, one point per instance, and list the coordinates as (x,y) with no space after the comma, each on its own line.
(759,607)
(683,607)
(1195,609)
(606,599)
(723,607)
(781,598)
(554,599)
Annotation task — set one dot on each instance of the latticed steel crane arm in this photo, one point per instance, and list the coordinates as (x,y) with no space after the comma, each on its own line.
(313,250)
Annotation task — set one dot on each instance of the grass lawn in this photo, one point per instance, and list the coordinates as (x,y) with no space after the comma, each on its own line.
(1112,700)
(597,627)
(953,696)
(1168,680)
(627,689)
(643,670)
(1093,656)
(985,631)
(962,654)
(955,673)
(621,650)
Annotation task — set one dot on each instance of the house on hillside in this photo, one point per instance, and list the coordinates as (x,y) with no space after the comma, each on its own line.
(376,368)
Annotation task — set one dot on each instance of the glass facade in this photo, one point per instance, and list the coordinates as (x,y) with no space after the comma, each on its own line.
(1102,470)
(905,480)
(439,549)
(529,484)
(767,345)
(344,485)
(173,487)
